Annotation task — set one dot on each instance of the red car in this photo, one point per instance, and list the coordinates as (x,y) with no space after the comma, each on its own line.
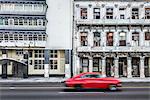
(93,80)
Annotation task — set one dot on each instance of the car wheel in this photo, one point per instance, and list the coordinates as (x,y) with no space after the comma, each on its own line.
(78,86)
(112,87)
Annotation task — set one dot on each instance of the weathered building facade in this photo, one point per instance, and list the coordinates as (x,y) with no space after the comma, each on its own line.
(112,37)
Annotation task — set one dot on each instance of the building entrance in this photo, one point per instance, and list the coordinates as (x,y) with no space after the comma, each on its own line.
(109,66)
(123,67)
(135,67)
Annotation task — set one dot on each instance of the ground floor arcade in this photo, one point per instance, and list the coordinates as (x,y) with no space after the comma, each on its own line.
(114,64)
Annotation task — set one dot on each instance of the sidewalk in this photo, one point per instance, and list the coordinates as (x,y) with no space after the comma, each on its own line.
(56,79)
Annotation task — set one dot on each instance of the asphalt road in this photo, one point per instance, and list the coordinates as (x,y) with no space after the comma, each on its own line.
(57,93)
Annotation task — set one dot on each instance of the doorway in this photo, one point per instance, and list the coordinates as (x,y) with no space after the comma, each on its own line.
(17,70)
(109,66)
(123,67)
(135,67)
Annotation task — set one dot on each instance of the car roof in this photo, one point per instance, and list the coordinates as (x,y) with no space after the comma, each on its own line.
(86,73)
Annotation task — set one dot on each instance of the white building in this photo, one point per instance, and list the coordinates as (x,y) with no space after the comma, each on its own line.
(34,39)
(112,37)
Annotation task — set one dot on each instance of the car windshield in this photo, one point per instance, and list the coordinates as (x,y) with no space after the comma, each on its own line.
(91,76)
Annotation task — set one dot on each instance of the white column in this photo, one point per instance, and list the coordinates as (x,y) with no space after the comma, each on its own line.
(141,38)
(46,70)
(90,38)
(129,38)
(46,63)
(103,39)
(116,67)
(142,73)
(90,64)
(90,12)
(77,65)
(104,66)
(129,67)
(116,38)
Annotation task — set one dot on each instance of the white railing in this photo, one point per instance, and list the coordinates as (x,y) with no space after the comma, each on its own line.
(22,27)
(113,49)
(113,21)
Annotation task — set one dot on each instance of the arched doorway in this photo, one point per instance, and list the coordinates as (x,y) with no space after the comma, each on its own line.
(19,69)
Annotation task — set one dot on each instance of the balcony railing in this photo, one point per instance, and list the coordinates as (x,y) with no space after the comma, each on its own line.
(22,27)
(24,12)
(114,21)
(113,49)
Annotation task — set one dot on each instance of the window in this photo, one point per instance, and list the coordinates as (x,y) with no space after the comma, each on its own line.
(109,13)
(39,53)
(6,36)
(147,13)
(19,52)
(109,39)
(53,53)
(39,64)
(20,37)
(96,64)
(16,36)
(83,13)
(96,39)
(91,76)
(40,22)
(25,22)
(122,8)
(35,22)
(44,37)
(147,35)
(1,36)
(25,37)
(40,37)
(6,21)
(135,13)
(96,13)
(1,21)
(122,39)
(16,21)
(35,37)
(135,36)
(30,22)
(30,37)
(20,21)
(83,39)
(121,16)
(85,62)
(11,37)
(53,64)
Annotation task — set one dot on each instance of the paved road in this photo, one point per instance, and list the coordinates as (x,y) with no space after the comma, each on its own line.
(57,93)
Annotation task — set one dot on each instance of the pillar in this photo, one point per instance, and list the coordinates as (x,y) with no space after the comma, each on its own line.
(46,63)
(90,38)
(104,66)
(142,68)
(116,67)
(90,64)
(141,38)
(129,68)
(67,63)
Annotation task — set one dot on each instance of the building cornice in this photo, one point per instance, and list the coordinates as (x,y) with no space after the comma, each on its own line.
(24,1)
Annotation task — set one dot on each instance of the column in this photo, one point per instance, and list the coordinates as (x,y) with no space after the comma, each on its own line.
(129,68)
(104,66)
(116,39)
(129,38)
(76,65)
(142,72)
(103,39)
(67,63)
(90,64)
(141,38)
(116,67)
(90,38)
(46,63)
(90,12)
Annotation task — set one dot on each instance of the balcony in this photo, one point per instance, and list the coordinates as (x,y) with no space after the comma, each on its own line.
(113,49)
(22,43)
(23,12)
(113,21)
(22,27)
